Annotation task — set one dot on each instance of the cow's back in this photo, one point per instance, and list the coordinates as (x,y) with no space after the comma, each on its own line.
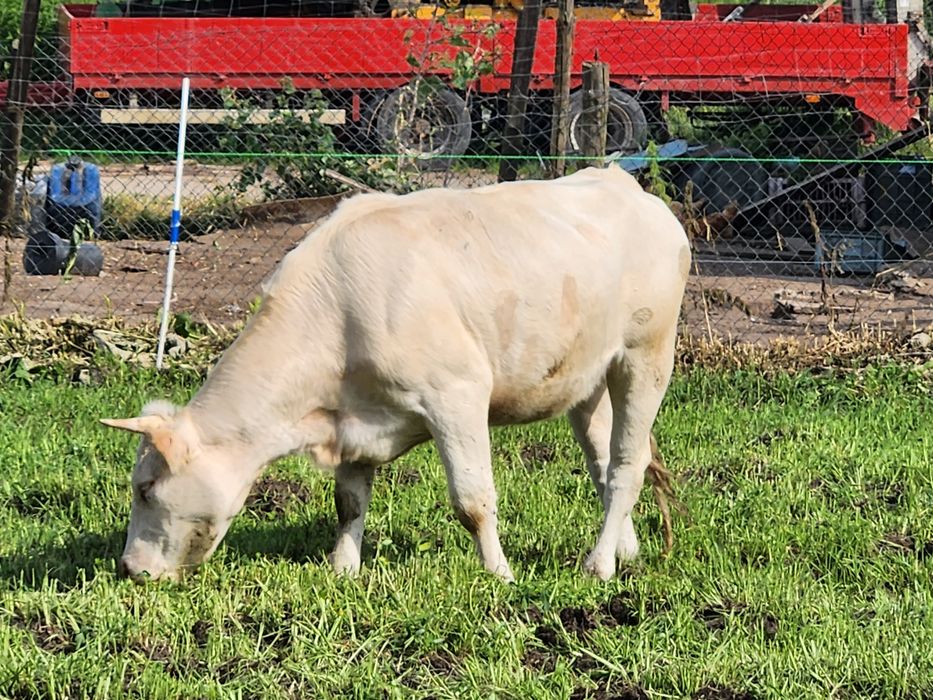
(541,282)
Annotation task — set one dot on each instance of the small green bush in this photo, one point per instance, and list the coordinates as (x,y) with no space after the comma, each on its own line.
(288,156)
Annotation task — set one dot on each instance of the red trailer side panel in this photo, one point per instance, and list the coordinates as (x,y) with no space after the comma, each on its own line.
(865,62)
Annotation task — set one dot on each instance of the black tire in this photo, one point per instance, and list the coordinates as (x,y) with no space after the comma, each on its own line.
(441,128)
(728,177)
(627,129)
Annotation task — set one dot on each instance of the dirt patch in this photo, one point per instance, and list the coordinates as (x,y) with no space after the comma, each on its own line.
(719,692)
(716,617)
(622,610)
(159,652)
(49,636)
(905,544)
(269,631)
(200,632)
(754,559)
(218,276)
(819,484)
(273,497)
(154,649)
(441,663)
(579,622)
(889,494)
(584,663)
(767,438)
(399,474)
(536,454)
(549,636)
(39,503)
(769,626)
(541,661)
(233,668)
(610,692)
(897,542)
(741,298)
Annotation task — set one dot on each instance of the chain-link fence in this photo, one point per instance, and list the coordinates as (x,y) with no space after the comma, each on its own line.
(792,140)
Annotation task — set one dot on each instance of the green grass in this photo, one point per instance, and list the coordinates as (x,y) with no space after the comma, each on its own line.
(801,570)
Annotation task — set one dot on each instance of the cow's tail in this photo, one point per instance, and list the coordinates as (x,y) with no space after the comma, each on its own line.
(662,484)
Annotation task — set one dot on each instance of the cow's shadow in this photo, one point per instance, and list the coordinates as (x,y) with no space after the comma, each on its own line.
(306,542)
(79,559)
(299,541)
(310,541)
(84,556)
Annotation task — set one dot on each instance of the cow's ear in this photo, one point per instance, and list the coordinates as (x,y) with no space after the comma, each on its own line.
(160,431)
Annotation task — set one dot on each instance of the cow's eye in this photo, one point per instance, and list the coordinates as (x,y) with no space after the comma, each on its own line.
(144,489)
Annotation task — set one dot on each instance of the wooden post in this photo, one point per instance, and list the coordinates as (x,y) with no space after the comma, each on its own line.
(526,37)
(11,133)
(848,11)
(890,11)
(11,118)
(595,116)
(560,124)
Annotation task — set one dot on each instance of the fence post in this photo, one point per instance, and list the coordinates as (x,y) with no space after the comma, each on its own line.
(526,37)
(11,132)
(595,116)
(560,124)
(890,11)
(11,118)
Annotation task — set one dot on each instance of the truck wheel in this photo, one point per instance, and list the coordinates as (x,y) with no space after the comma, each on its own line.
(627,128)
(431,125)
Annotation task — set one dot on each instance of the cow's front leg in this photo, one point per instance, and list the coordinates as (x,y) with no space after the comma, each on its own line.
(353,489)
(463,443)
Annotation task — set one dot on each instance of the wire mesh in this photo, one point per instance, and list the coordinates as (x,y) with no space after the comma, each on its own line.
(793,141)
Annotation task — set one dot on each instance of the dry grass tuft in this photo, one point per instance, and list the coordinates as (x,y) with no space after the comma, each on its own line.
(836,350)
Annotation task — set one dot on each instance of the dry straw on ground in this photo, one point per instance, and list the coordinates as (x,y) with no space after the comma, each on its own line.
(76,341)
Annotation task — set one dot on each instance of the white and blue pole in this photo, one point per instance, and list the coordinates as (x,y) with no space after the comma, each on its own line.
(175,229)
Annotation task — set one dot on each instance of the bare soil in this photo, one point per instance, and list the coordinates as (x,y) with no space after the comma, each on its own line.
(738,293)
(273,497)
(217,276)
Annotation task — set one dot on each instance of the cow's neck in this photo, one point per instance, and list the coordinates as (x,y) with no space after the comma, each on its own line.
(268,395)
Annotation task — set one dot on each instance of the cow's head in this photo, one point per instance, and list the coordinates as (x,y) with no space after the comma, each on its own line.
(183,498)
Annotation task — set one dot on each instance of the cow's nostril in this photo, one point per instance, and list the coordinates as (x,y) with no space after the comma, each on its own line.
(122,569)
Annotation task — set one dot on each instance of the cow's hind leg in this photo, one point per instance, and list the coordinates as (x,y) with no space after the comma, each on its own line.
(637,383)
(462,438)
(592,426)
(353,487)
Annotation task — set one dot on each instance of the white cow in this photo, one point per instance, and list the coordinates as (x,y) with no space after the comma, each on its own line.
(403,318)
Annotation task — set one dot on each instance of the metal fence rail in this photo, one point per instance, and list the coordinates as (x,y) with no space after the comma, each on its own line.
(793,142)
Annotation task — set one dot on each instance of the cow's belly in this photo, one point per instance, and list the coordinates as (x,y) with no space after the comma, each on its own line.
(378,436)
(513,402)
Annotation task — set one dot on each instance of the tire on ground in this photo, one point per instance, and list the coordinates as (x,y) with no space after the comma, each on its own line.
(432,129)
(627,128)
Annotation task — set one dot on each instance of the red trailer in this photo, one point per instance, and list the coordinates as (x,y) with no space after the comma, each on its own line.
(131,67)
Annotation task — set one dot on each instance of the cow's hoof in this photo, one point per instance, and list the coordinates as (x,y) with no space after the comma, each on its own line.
(344,566)
(627,546)
(627,551)
(505,574)
(603,568)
